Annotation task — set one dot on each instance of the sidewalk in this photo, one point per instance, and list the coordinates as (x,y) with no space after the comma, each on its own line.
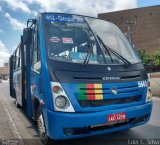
(8,129)
(155,84)
(14,124)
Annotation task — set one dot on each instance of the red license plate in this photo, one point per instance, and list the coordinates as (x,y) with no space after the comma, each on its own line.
(116,117)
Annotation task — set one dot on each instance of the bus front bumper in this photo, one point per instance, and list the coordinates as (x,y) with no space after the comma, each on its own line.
(75,125)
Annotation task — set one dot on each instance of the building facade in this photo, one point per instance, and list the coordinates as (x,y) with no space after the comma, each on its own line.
(141,26)
(4,71)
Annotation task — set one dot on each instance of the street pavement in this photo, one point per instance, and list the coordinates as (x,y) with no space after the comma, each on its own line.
(155,83)
(155,86)
(15,125)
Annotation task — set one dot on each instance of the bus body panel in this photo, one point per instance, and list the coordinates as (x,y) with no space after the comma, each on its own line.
(82,122)
(40,80)
(129,93)
(44,69)
(17,86)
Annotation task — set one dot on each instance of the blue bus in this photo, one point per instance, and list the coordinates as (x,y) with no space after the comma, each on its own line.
(78,76)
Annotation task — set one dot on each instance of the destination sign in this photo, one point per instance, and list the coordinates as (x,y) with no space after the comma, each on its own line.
(64,18)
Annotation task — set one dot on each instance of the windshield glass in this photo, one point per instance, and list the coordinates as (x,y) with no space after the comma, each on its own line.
(70,38)
(113,38)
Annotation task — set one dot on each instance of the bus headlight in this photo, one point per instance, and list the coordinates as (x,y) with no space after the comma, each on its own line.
(60,101)
(149,93)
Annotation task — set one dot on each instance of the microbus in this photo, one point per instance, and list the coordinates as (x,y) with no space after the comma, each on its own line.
(78,76)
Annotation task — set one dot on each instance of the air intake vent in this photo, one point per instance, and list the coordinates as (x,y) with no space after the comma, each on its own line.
(130,77)
(87,78)
(97,103)
(100,78)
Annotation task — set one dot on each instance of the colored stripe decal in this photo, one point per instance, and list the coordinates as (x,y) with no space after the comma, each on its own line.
(98,92)
(81,93)
(90,92)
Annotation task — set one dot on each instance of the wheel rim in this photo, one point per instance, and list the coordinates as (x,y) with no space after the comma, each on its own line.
(41,127)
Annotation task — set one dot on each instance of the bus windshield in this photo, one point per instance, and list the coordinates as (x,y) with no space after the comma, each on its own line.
(73,38)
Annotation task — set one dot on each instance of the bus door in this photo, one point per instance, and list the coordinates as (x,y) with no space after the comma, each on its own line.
(25,54)
(11,76)
(36,74)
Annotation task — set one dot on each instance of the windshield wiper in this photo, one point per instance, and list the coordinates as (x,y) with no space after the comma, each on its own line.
(108,49)
(87,58)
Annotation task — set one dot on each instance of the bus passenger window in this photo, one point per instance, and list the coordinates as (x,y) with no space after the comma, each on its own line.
(36,61)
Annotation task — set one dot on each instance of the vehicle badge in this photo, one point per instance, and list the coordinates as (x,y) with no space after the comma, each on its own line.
(114,91)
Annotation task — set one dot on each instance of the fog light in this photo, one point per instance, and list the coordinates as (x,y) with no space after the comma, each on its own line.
(69,131)
(60,101)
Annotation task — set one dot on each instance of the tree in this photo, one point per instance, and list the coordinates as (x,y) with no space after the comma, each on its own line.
(146,58)
(156,58)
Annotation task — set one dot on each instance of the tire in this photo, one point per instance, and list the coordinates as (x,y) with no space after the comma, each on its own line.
(17,105)
(42,129)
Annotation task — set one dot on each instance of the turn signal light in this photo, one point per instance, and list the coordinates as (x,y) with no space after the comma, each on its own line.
(149,92)
(57,89)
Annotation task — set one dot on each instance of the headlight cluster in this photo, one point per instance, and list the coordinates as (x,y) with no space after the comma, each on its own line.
(149,93)
(61,100)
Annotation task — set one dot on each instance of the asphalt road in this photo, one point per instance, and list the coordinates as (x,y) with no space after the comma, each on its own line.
(15,125)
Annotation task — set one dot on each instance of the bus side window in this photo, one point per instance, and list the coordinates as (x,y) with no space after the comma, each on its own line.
(36,61)
(16,59)
(19,64)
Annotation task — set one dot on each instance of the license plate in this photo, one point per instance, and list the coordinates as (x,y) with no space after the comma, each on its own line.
(116,117)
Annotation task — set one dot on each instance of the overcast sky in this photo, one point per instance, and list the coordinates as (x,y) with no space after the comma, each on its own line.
(14,14)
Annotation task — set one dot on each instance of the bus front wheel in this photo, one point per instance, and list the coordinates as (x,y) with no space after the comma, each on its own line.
(16,102)
(42,129)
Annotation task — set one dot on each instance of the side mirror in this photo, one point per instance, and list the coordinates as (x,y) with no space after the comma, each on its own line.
(27,36)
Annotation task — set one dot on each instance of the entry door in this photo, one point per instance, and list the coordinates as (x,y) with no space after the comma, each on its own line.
(25,74)
(36,73)
(11,76)
(36,78)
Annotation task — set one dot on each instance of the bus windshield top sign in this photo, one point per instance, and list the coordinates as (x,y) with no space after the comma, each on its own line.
(64,18)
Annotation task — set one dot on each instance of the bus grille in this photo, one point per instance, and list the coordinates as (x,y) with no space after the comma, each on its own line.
(97,103)
(94,95)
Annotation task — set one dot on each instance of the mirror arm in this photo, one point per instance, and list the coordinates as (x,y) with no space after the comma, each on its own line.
(32,21)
